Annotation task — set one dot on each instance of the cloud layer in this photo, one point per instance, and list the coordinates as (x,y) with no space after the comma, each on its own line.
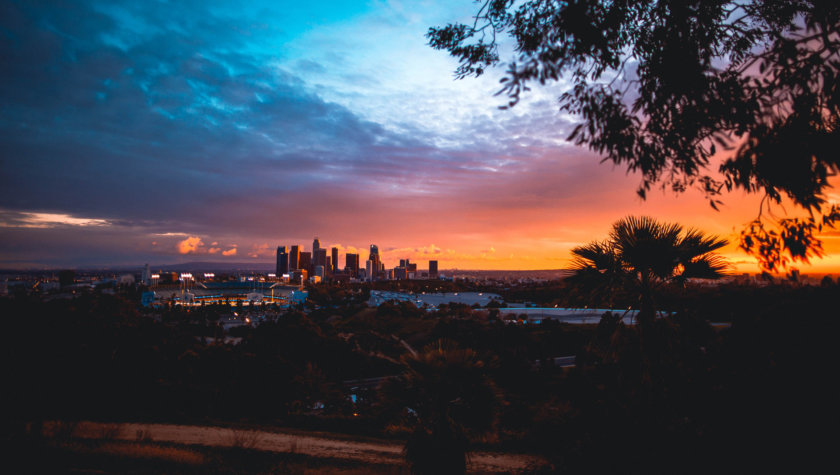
(148,131)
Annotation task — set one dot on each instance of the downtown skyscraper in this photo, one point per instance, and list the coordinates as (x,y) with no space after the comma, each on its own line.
(282,261)
(351,263)
(294,257)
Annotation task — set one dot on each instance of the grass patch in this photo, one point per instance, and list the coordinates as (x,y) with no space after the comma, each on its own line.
(138,457)
(244,439)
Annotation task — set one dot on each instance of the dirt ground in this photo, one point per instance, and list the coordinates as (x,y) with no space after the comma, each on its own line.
(314,444)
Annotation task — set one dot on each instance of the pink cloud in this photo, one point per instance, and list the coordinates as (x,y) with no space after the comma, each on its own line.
(190,245)
(260,250)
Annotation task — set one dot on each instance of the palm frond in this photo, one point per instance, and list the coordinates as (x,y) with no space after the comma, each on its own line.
(700,243)
(595,255)
(711,266)
(642,252)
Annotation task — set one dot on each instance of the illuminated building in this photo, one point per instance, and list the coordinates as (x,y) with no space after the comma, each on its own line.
(294,257)
(319,257)
(305,261)
(351,263)
(316,244)
(298,276)
(410,269)
(376,263)
(282,261)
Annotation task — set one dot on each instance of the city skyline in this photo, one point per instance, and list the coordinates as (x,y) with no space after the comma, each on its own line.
(291,265)
(164,133)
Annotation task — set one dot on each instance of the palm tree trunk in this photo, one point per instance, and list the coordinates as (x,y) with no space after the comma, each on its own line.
(645,321)
(647,312)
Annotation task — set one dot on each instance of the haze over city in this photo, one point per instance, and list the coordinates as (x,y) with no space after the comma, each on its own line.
(163,132)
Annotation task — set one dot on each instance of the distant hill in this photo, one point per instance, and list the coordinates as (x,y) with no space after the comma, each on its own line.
(216,267)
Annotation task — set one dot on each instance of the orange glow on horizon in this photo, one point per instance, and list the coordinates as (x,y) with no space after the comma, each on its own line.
(528,239)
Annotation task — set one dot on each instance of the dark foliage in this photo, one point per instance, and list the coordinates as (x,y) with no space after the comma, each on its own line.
(96,357)
(754,398)
(642,253)
(444,396)
(667,88)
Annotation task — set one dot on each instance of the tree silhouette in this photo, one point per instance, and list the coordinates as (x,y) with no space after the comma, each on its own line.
(446,397)
(669,87)
(646,253)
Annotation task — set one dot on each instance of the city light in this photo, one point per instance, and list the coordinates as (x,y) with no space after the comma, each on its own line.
(186,276)
(209,275)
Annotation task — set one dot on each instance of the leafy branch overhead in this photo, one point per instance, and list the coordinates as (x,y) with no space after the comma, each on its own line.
(669,88)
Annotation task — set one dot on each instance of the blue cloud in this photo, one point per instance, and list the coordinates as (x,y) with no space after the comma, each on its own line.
(127,112)
(183,116)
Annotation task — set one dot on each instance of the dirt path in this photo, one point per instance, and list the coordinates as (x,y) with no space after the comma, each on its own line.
(316,445)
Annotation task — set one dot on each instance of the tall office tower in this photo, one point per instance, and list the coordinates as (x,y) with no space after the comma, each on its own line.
(376,265)
(328,268)
(334,260)
(305,261)
(319,257)
(294,257)
(369,269)
(282,261)
(403,262)
(351,261)
(433,272)
(316,244)
(410,266)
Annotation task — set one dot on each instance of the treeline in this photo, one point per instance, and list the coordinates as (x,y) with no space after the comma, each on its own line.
(717,302)
(682,397)
(97,356)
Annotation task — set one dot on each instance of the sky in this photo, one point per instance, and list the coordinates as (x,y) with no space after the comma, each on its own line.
(175,131)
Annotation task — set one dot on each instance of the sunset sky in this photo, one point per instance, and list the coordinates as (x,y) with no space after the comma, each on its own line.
(166,132)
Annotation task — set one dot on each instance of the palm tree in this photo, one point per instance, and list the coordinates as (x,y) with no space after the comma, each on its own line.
(647,253)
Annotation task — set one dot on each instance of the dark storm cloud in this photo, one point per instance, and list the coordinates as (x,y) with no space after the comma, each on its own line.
(139,117)
(179,118)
